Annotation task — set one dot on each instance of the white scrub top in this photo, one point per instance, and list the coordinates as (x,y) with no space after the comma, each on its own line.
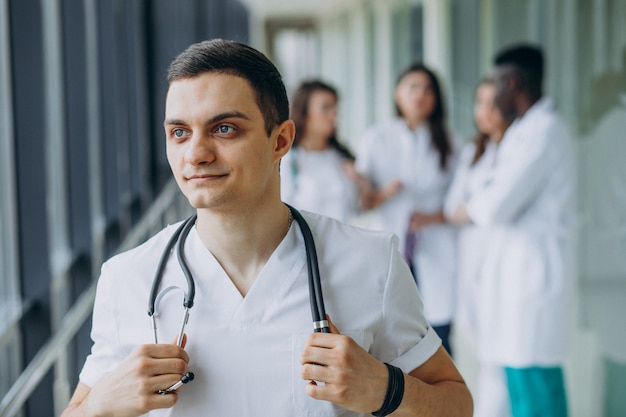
(472,240)
(245,351)
(316,181)
(393,152)
(530,207)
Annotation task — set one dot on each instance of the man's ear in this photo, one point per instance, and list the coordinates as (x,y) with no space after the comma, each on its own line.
(285,134)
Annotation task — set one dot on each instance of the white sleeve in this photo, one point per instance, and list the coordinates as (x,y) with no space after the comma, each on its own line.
(405,339)
(518,181)
(104,333)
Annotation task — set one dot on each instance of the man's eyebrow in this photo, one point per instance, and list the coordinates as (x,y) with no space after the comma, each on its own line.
(214,119)
(175,122)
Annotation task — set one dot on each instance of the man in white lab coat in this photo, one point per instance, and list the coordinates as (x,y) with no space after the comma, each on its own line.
(527,277)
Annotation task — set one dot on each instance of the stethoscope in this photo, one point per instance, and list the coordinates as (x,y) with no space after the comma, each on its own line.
(318,313)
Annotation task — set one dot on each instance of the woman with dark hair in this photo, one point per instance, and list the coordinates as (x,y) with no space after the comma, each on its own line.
(474,172)
(477,157)
(416,152)
(317,174)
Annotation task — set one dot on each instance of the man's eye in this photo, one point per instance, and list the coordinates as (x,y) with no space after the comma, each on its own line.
(224,129)
(178,133)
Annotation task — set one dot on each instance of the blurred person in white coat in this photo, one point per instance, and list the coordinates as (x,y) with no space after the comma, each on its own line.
(318,172)
(525,309)
(415,155)
(473,173)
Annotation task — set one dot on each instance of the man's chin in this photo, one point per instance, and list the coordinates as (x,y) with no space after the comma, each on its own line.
(205,203)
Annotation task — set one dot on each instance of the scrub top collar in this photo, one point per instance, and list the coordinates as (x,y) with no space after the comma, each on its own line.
(283,266)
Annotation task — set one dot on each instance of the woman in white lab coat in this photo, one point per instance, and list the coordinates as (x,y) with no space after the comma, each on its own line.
(414,155)
(474,172)
(318,174)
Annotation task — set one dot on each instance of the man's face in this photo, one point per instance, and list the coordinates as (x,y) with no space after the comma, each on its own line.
(217,145)
(504,81)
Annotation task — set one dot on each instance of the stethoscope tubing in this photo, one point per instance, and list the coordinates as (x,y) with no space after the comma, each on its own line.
(179,236)
(316,298)
(156,283)
(191,284)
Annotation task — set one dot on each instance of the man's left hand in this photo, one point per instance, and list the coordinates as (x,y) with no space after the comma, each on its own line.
(343,373)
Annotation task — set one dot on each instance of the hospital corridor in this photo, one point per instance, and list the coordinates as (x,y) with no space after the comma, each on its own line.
(484,138)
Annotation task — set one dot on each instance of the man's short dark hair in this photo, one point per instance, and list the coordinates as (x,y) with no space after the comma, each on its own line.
(238,59)
(528,62)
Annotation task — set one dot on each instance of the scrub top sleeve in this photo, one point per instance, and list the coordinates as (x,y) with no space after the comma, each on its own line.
(405,338)
(515,183)
(104,333)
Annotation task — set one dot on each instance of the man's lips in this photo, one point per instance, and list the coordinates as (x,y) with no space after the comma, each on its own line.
(205,177)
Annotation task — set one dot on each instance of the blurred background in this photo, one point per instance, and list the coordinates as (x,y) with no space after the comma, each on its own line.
(83,172)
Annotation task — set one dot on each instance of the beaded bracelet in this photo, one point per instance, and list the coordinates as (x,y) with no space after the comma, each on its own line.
(395,392)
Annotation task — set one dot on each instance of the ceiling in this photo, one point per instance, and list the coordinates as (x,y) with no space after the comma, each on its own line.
(296,9)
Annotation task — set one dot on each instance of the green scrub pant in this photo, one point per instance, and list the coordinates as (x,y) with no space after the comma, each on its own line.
(537,392)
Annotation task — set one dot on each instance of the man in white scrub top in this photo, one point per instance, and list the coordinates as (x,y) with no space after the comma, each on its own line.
(249,339)
(527,276)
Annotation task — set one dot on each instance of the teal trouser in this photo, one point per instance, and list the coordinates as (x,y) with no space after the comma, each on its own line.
(537,392)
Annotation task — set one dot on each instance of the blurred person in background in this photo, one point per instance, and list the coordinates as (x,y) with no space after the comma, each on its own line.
(473,173)
(529,205)
(414,155)
(318,174)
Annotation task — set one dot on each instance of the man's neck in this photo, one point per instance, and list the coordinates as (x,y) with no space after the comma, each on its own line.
(243,240)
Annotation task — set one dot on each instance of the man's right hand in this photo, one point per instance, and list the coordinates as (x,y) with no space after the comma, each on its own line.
(131,389)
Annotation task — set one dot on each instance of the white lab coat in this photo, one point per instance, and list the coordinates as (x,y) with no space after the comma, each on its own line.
(490,393)
(316,181)
(530,207)
(245,351)
(393,152)
(472,240)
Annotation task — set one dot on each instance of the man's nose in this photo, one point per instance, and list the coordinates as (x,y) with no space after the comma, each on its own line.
(200,150)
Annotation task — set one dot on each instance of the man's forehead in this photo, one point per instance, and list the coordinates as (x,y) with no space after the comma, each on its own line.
(212,80)
(214,91)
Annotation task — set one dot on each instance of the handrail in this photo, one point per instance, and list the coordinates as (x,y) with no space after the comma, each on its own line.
(12,320)
(46,356)
(20,391)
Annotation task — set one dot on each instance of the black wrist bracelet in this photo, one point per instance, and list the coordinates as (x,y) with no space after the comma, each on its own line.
(395,392)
